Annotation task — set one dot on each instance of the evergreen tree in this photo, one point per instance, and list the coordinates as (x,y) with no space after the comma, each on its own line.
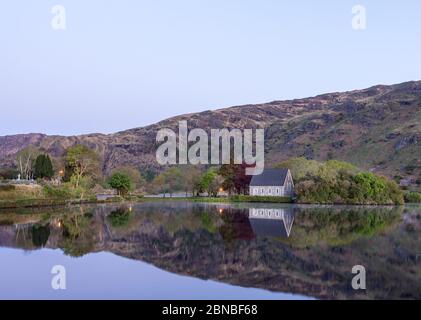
(43,167)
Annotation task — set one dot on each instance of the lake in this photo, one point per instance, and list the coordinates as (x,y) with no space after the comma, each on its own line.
(185,250)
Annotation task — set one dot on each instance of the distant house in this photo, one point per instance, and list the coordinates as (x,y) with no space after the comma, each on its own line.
(273,183)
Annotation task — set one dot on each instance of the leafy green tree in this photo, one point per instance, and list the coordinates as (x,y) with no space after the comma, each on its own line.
(82,161)
(121,182)
(43,167)
(134,174)
(211,182)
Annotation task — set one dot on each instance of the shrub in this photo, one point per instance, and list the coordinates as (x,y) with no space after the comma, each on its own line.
(62,192)
(121,182)
(119,217)
(413,197)
(336,182)
(242,198)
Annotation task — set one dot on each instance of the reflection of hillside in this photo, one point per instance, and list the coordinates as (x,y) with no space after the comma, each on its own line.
(220,243)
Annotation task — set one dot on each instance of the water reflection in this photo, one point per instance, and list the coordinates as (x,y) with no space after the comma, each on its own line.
(307,250)
(272,222)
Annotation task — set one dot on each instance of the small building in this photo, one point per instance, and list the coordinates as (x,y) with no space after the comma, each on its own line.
(272,183)
(271,222)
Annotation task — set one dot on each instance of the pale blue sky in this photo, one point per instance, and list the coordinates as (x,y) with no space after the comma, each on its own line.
(128,63)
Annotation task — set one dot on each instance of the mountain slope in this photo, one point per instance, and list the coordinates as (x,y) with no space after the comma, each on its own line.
(377,128)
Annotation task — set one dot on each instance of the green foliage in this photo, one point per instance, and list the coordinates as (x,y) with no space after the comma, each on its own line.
(119,218)
(337,182)
(56,192)
(173,179)
(211,182)
(134,174)
(149,175)
(78,234)
(121,182)
(242,198)
(12,193)
(69,191)
(8,174)
(169,181)
(413,197)
(340,225)
(43,167)
(300,167)
(207,222)
(81,161)
(40,235)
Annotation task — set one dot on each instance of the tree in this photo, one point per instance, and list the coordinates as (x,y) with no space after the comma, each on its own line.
(191,179)
(235,178)
(43,167)
(25,161)
(159,185)
(82,161)
(228,172)
(120,182)
(211,182)
(149,175)
(173,179)
(134,174)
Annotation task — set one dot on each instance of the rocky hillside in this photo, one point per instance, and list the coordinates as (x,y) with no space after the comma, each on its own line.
(377,128)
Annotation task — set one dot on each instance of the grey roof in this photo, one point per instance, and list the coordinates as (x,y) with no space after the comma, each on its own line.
(270,177)
(269,228)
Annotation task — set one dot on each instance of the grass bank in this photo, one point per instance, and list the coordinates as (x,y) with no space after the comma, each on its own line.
(233,199)
(28,196)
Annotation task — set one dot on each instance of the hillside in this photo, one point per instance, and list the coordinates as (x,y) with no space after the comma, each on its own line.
(377,129)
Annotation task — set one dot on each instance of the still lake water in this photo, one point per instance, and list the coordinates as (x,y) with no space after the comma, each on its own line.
(183,250)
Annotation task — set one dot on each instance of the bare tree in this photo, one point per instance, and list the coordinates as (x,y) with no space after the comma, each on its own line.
(25,161)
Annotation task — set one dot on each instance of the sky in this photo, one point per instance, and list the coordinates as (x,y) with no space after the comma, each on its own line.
(121,64)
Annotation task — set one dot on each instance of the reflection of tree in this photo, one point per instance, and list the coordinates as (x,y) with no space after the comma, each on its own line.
(74,225)
(207,222)
(78,236)
(40,235)
(335,227)
(119,217)
(236,225)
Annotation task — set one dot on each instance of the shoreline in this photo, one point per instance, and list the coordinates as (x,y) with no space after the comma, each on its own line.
(45,203)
